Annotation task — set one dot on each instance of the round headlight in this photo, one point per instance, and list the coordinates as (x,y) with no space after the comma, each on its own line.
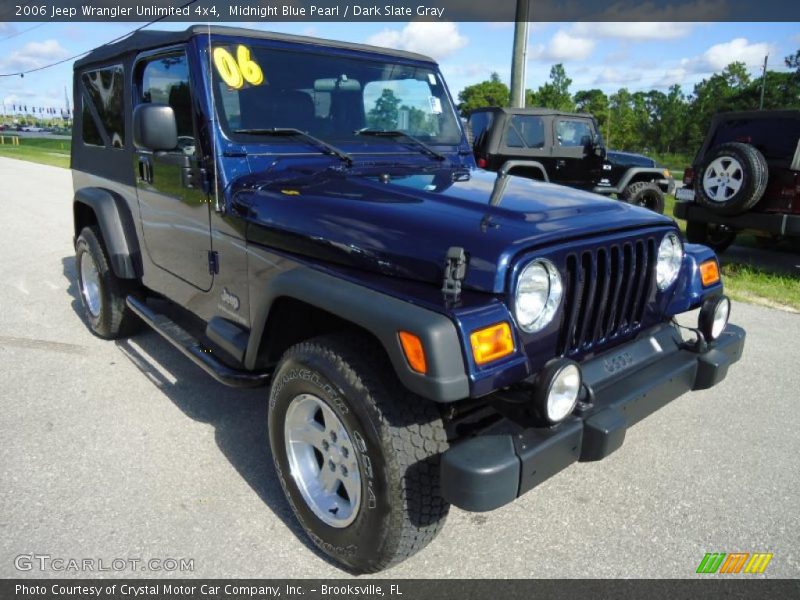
(558,386)
(563,393)
(670,257)
(538,295)
(714,317)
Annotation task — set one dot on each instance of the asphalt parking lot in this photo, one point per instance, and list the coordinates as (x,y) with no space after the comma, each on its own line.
(126,450)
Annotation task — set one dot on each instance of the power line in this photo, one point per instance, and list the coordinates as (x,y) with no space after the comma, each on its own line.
(75,56)
(17,33)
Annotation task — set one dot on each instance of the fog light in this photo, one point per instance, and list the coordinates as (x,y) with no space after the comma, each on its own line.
(558,389)
(714,317)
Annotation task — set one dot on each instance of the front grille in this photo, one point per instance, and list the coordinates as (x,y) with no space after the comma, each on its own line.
(605,292)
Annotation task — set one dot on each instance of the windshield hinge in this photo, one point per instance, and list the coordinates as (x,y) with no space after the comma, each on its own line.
(213,262)
(455,268)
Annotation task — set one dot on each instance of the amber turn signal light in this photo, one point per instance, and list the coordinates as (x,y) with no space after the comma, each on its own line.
(709,272)
(491,343)
(414,351)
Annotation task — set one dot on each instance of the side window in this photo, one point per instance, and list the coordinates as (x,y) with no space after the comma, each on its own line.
(525,131)
(571,132)
(165,80)
(103,111)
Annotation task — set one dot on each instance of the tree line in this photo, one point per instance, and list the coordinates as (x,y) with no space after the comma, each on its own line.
(652,121)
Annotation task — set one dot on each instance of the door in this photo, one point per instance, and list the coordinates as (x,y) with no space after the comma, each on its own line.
(175,211)
(576,164)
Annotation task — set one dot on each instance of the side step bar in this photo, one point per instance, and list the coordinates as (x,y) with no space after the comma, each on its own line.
(192,348)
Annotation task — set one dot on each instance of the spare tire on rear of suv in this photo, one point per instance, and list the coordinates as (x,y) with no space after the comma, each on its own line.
(732,179)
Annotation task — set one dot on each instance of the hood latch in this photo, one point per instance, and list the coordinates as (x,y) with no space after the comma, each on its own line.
(455,269)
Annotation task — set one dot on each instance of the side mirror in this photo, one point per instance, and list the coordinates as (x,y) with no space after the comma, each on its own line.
(154,127)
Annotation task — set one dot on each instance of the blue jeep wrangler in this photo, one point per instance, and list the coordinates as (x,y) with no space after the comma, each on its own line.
(431,333)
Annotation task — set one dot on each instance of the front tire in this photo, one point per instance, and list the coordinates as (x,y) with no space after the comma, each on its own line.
(357,455)
(102,293)
(646,194)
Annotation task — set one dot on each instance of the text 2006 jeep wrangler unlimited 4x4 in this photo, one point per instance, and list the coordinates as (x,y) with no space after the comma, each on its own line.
(432,334)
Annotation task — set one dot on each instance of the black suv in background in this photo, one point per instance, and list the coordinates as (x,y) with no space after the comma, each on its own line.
(746,176)
(564,148)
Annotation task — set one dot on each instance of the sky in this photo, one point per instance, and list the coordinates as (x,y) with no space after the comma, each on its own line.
(639,56)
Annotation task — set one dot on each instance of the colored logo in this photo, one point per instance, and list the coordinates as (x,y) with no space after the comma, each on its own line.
(735,562)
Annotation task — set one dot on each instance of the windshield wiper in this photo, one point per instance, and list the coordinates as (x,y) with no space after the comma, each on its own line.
(396,133)
(315,141)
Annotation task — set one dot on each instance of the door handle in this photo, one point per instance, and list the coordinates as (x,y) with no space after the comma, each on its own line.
(145,169)
(561,164)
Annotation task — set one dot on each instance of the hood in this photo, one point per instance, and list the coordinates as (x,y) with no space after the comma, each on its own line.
(400,221)
(630,159)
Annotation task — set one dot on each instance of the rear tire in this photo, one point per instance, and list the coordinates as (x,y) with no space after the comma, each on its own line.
(732,180)
(717,237)
(386,505)
(102,292)
(646,194)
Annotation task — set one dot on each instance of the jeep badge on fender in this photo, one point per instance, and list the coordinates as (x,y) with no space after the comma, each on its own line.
(428,333)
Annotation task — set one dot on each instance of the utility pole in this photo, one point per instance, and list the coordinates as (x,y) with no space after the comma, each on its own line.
(763,83)
(69,110)
(519,57)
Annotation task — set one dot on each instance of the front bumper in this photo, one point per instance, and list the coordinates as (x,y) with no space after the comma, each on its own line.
(627,384)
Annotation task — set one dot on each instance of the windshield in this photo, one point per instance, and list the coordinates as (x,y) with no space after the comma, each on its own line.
(328,96)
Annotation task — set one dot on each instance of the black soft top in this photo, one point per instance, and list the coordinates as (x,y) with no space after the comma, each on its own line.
(531,111)
(757,114)
(147,39)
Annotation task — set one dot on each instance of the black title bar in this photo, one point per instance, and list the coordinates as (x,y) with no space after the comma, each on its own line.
(708,588)
(220,11)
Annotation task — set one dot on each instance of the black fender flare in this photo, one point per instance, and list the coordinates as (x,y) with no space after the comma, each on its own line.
(626,179)
(382,315)
(117,227)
